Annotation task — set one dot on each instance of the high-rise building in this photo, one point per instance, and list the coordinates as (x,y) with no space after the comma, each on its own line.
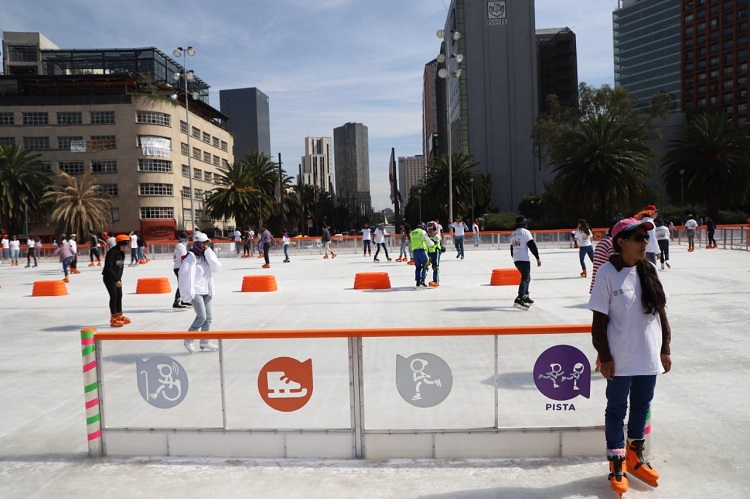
(249,115)
(493,105)
(411,171)
(113,113)
(557,60)
(430,111)
(316,165)
(647,49)
(352,165)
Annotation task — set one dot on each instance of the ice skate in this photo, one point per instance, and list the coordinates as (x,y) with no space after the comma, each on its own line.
(584,273)
(114,321)
(520,304)
(122,318)
(527,300)
(267,266)
(189,346)
(639,467)
(281,387)
(618,479)
(433,284)
(208,347)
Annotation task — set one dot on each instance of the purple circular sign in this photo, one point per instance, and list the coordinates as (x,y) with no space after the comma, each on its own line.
(563,372)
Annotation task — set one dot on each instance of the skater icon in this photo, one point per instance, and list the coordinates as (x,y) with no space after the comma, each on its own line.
(554,373)
(420,377)
(575,375)
(286,384)
(162,381)
(556,367)
(280,386)
(423,379)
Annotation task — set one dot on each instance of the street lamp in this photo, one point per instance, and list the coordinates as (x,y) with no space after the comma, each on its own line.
(187,76)
(446,74)
(471,181)
(682,195)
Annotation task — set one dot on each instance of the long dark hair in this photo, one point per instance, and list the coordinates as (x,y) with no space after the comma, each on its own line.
(585,227)
(653,298)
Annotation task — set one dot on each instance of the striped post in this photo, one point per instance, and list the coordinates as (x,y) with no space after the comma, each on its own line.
(91,391)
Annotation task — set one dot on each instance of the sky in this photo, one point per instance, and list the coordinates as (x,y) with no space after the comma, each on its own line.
(322,63)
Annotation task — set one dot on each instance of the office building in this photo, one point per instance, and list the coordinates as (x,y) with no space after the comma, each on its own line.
(248,110)
(430,112)
(352,165)
(557,60)
(411,172)
(118,114)
(317,165)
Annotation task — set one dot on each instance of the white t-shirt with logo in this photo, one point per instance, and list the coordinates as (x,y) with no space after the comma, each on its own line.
(366,234)
(662,232)
(634,337)
(652,246)
(583,238)
(519,239)
(691,224)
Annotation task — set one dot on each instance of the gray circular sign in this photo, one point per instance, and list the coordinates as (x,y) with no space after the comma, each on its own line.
(424,379)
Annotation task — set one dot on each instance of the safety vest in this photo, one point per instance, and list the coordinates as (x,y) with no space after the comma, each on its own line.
(417,240)
(436,240)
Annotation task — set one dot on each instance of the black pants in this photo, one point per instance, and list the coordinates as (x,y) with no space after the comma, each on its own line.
(177,293)
(266,249)
(115,297)
(377,251)
(30,253)
(94,255)
(366,246)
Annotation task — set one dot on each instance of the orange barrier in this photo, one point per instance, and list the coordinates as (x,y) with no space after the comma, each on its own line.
(505,277)
(49,288)
(372,280)
(153,286)
(259,283)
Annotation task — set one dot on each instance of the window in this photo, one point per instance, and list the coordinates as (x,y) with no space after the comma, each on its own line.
(186,214)
(223,146)
(35,118)
(69,118)
(151,189)
(183,127)
(224,163)
(199,215)
(22,53)
(155,165)
(7,141)
(198,193)
(103,142)
(36,143)
(217,161)
(115,212)
(153,117)
(184,149)
(197,173)
(196,153)
(206,157)
(157,212)
(104,166)
(186,171)
(214,141)
(110,189)
(71,167)
(64,142)
(102,117)
(207,176)
(46,166)
(186,192)
(7,119)
(196,133)
(206,138)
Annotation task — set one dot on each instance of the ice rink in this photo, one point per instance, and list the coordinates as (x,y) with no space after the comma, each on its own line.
(701,424)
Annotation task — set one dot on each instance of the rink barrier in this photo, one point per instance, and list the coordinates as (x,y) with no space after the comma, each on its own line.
(91,392)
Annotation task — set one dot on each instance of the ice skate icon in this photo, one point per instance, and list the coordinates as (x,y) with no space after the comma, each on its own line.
(281,387)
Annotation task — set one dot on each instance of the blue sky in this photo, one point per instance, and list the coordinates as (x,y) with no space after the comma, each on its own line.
(322,63)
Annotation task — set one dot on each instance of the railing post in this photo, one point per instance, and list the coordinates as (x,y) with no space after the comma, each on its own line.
(91,390)
(356,387)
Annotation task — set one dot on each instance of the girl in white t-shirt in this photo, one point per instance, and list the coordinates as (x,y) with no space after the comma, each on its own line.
(583,237)
(631,334)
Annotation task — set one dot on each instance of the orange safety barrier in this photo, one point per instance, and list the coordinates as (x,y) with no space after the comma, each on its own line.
(372,280)
(505,277)
(259,283)
(153,286)
(49,288)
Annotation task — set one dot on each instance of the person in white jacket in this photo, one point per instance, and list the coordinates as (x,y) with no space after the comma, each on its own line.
(196,283)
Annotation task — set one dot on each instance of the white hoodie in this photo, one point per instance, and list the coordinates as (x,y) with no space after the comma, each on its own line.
(196,276)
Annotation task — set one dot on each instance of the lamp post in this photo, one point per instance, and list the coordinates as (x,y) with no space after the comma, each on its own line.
(446,74)
(682,202)
(187,76)
(471,181)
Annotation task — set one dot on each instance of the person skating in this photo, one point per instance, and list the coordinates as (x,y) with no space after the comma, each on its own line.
(266,241)
(197,287)
(459,233)
(366,240)
(30,251)
(65,253)
(404,254)
(73,242)
(380,235)
(285,241)
(180,251)
(94,243)
(114,263)
(583,237)
(521,242)
(710,230)
(631,334)
(434,252)
(420,241)
(662,237)
(326,239)
(690,226)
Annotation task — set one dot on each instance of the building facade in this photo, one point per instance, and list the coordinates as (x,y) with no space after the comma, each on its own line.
(411,172)
(317,166)
(352,165)
(249,115)
(430,112)
(83,113)
(557,59)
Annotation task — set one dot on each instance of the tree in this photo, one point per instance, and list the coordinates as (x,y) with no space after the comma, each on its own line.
(715,157)
(79,206)
(265,175)
(236,195)
(434,194)
(23,180)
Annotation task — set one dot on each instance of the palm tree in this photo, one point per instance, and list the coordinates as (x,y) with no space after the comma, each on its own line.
(79,206)
(714,156)
(435,191)
(236,196)
(22,183)
(265,175)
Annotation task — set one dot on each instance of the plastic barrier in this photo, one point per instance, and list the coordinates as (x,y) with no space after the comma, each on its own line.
(49,288)
(372,280)
(505,277)
(259,283)
(153,285)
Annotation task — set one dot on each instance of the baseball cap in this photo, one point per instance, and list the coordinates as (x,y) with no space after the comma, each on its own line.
(629,224)
(200,237)
(183,236)
(520,220)
(650,208)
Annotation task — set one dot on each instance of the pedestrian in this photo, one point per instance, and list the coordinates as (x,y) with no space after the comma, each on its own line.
(652,248)
(31,251)
(604,250)
(142,244)
(434,252)
(662,238)
(420,242)
(266,241)
(6,246)
(583,236)
(690,226)
(380,235)
(521,242)
(475,231)
(65,253)
(459,232)
(196,282)
(326,240)
(405,246)
(94,243)
(711,229)
(180,250)
(133,249)
(73,242)
(15,250)
(114,263)
(631,334)
(237,239)
(366,238)
(285,241)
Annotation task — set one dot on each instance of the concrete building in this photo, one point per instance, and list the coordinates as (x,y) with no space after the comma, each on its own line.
(494,103)
(411,172)
(113,113)
(317,164)
(430,112)
(647,48)
(352,163)
(248,110)
(557,60)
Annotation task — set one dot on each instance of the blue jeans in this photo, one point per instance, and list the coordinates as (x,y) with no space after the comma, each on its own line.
(420,260)
(582,252)
(202,307)
(641,391)
(366,246)
(525,269)
(286,252)
(65,264)
(435,262)
(266,249)
(459,242)
(133,255)
(476,239)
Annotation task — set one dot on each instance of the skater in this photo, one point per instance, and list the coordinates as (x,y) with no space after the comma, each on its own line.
(15,250)
(73,242)
(266,241)
(459,233)
(475,231)
(326,239)
(404,254)
(31,251)
(662,237)
(142,245)
(647,215)
(94,243)
(197,287)
(285,241)
(690,226)
(583,237)
(237,239)
(711,230)
(6,247)
(521,242)
(380,235)
(249,243)
(114,263)
(420,242)
(133,249)
(434,252)
(603,250)
(631,335)
(366,238)
(65,253)
(180,251)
